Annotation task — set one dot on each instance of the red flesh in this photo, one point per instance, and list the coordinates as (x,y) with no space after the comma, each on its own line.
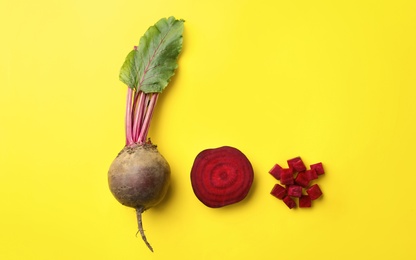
(302,179)
(296,164)
(311,174)
(314,192)
(221,176)
(294,190)
(286,176)
(289,202)
(305,201)
(276,171)
(278,191)
(318,168)
(294,180)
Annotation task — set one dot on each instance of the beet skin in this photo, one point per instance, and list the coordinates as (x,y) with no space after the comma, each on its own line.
(139,177)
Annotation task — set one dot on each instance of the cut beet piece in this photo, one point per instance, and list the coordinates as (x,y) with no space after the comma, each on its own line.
(302,180)
(305,201)
(318,168)
(221,176)
(294,190)
(276,171)
(296,164)
(278,191)
(286,176)
(311,174)
(314,192)
(289,202)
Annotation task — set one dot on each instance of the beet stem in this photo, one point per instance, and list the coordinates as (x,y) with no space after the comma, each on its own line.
(149,112)
(129,137)
(138,115)
(139,212)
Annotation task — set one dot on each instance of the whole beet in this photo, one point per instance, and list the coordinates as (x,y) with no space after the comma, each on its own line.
(139,177)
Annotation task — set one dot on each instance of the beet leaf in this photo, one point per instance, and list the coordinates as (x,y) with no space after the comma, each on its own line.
(147,71)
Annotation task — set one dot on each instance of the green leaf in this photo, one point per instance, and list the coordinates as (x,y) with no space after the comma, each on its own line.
(128,72)
(150,67)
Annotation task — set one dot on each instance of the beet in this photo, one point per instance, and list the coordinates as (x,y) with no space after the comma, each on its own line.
(295,181)
(296,164)
(221,176)
(318,168)
(314,192)
(276,171)
(278,191)
(311,174)
(305,201)
(289,202)
(139,177)
(302,179)
(294,191)
(286,176)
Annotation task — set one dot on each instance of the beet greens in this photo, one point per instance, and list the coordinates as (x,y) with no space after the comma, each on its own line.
(146,71)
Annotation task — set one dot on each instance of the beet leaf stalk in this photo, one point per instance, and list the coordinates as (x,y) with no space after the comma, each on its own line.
(139,176)
(147,71)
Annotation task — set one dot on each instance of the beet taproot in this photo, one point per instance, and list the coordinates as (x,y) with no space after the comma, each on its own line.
(221,176)
(139,177)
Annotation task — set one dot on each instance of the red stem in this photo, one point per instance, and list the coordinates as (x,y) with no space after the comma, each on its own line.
(138,115)
(148,116)
(128,119)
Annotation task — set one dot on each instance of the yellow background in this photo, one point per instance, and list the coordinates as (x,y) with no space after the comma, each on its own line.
(330,81)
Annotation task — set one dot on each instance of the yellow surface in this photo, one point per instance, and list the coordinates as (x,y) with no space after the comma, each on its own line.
(331,81)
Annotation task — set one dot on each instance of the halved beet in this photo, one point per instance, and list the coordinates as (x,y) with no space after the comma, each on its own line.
(221,176)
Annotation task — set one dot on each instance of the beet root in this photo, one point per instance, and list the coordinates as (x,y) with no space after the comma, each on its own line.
(221,176)
(139,177)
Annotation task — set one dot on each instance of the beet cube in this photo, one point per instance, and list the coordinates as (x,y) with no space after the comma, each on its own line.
(302,179)
(286,176)
(305,201)
(296,164)
(314,192)
(294,190)
(311,174)
(278,191)
(289,202)
(276,171)
(318,168)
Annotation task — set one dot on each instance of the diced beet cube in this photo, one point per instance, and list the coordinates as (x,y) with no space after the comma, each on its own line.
(278,191)
(302,180)
(294,191)
(305,201)
(296,164)
(311,174)
(314,192)
(275,171)
(289,202)
(318,168)
(286,176)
